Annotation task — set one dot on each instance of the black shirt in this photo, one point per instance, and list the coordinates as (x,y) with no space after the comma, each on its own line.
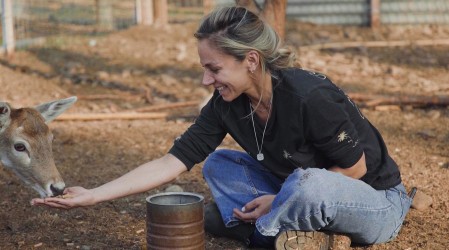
(313,124)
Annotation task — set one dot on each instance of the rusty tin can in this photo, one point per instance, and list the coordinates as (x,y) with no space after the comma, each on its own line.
(175,220)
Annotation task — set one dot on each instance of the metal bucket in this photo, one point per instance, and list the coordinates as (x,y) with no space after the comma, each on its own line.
(175,220)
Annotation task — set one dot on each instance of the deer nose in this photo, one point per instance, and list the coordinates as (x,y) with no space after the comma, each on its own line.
(57,188)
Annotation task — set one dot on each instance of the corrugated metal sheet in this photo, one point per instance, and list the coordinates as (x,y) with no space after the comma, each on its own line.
(414,11)
(357,12)
(329,11)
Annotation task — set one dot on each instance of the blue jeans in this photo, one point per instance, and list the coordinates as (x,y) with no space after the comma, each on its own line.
(309,199)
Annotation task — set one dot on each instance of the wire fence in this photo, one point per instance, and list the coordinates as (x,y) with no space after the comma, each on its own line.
(37,19)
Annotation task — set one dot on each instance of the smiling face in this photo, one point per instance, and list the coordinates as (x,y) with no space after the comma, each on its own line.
(225,73)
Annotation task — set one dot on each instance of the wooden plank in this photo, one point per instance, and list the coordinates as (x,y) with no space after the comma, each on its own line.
(110,116)
(368,44)
(168,106)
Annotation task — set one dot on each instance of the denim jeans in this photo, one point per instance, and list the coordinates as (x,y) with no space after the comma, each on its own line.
(309,199)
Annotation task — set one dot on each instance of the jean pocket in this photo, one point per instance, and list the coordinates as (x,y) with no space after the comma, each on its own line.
(405,203)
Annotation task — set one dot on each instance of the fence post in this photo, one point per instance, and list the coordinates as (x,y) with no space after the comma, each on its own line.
(105,17)
(161,12)
(147,12)
(208,5)
(374,13)
(138,11)
(7,28)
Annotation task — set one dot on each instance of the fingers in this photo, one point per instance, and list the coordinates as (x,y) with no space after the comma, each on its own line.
(249,217)
(52,205)
(52,202)
(250,206)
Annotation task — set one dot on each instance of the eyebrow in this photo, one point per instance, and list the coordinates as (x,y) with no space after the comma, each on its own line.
(209,65)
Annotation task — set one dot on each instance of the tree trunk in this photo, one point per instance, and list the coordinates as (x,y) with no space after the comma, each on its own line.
(249,4)
(273,12)
(208,5)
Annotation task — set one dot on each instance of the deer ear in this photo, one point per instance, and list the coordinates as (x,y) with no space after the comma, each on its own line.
(5,115)
(53,109)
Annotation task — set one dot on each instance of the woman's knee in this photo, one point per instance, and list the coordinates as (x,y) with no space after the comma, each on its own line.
(307,185)
(215,162)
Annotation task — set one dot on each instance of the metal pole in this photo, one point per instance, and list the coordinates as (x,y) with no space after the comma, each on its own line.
(7,27)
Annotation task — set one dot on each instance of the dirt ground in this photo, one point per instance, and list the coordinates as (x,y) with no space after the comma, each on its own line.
(147,66)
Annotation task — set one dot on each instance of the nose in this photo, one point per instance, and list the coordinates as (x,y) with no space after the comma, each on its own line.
(57,188)
(207,79)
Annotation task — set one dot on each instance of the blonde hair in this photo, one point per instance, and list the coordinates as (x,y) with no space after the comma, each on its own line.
(236,30)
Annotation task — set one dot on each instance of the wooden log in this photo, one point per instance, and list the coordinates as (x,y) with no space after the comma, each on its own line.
(371,44)
(168,106)
(416,101)
(111,116)
(108,97)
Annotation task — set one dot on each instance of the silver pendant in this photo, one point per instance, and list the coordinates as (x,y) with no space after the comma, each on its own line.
(260,157)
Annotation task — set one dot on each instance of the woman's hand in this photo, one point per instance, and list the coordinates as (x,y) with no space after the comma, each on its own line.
(143,178)
(254,209)
(72,197)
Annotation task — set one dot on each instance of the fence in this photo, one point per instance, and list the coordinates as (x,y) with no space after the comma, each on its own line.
(36,19)
(359,12)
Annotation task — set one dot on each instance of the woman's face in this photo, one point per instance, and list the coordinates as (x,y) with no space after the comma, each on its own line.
(224,72)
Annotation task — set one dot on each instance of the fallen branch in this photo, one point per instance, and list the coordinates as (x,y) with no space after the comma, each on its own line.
(110,97)
(111,116)
(366,100)
(168,106)
(371,44)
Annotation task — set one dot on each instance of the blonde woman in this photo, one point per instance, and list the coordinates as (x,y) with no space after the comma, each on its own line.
(312,164)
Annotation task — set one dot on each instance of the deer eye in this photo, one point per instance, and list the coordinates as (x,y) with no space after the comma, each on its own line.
(19,147)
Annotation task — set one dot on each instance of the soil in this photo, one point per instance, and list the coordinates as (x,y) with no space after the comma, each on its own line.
(148,66)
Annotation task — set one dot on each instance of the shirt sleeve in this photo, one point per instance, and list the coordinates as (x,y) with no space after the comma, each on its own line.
(329,128)
(201,138)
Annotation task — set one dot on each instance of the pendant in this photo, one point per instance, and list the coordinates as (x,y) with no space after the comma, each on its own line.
(260,157)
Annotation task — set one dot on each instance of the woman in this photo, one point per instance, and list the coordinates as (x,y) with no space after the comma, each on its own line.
(312,161)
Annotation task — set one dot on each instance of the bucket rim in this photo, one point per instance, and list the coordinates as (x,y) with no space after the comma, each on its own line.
(200,197)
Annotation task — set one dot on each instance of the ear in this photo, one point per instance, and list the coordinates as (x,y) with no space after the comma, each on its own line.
(5,116)
(253,59)
(53,109)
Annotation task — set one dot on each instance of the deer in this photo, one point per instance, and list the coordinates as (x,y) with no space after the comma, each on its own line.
(26,144)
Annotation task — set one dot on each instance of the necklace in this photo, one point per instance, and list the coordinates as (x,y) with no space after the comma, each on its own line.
(260,155)
(259,108)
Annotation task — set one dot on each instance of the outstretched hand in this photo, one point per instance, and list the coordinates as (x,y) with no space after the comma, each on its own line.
(254,209)
(72,197)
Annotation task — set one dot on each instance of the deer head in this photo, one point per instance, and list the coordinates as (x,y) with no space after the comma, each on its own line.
(26,144)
